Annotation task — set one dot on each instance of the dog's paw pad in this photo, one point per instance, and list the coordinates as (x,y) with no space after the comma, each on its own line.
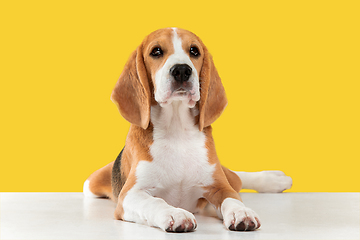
(237,217)
(245,224)
(181,221)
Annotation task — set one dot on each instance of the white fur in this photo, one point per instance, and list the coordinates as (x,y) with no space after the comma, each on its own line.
(234,211)
(163,78)
(86,190)
(168,188)
(184,163)
(140,207)
(265,181)
(173,180)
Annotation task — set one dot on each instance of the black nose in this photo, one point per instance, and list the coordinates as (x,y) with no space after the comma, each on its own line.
(181,72)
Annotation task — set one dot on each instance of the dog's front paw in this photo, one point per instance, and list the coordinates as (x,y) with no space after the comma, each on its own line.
(237,217)
(178,220)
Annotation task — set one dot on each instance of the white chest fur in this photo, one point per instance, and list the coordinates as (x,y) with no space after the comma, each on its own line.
(180,166)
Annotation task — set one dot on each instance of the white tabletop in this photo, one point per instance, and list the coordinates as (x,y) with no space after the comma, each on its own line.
(72,216)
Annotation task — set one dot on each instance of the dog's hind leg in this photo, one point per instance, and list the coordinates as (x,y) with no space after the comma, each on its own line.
(265,181)
(99,183)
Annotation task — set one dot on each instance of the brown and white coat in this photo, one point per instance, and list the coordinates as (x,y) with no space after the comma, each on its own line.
(171,93)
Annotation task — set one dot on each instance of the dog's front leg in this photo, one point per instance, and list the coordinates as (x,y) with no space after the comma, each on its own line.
(140,207)
(229,205)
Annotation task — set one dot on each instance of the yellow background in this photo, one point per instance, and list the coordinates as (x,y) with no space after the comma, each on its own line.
(290,69)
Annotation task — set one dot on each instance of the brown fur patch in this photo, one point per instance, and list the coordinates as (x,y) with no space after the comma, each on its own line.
(137,149)
(221,188)
(100,181)
(201,204)
(132,91)
(134,95)
(233,179)
(212,96)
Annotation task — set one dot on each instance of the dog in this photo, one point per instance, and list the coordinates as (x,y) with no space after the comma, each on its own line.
(171,93)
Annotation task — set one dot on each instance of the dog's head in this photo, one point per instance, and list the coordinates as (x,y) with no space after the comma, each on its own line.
(170,64)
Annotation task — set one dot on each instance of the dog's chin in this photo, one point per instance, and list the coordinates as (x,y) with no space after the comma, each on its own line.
(190,98)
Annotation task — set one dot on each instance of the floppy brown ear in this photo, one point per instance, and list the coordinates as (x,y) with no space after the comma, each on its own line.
(132,92)
(212,94)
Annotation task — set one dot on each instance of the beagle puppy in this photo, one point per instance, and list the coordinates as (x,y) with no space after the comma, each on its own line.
(171,93)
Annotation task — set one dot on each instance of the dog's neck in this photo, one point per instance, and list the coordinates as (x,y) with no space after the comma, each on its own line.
(174,117)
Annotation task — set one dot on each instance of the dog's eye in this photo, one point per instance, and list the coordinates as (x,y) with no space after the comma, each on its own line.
(194,51)
(156,52)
